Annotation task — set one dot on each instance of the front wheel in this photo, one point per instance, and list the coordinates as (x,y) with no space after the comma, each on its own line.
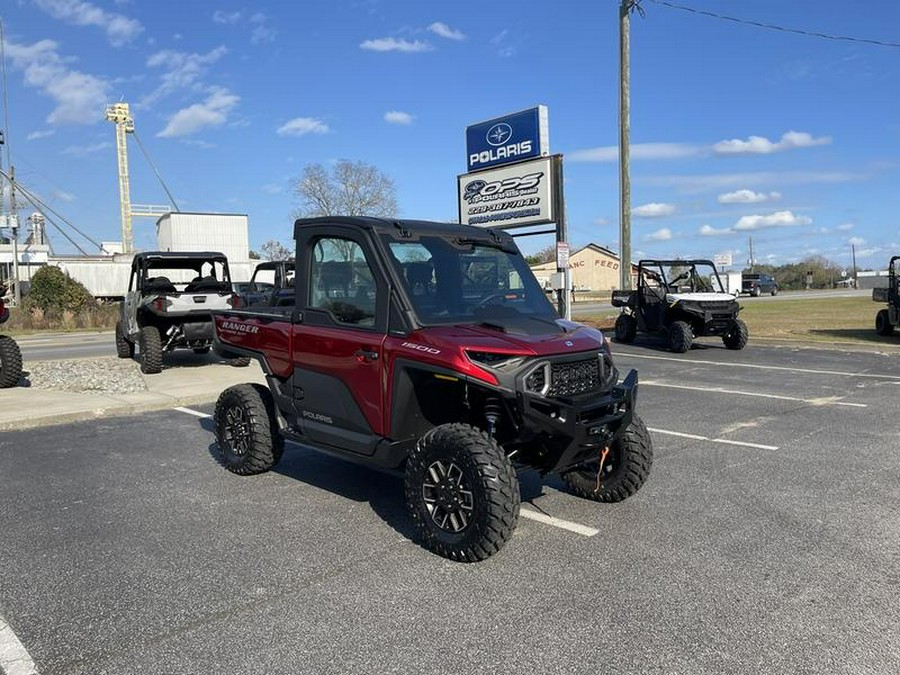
(625,467)
(737,337)
(680,336)
(462,493)
(10,362)
(151,350)
(248,439)
(626,328)
(883,323)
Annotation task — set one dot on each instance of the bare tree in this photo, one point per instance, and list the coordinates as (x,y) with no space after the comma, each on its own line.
(274,250)
(348,189)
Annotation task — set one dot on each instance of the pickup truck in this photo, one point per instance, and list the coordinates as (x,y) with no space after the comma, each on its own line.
(431,348)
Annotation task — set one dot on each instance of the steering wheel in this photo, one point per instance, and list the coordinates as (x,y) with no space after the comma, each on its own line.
(493,297)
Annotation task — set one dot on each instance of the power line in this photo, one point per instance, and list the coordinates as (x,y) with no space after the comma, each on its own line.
(770,26)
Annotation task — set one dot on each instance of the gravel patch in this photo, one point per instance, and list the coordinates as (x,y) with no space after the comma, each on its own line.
(113,375)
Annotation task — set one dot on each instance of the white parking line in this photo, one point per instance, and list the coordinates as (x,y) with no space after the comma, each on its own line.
(724,441)
(195,413)
(14,658)
(577,528)
(757,366)
(825,400)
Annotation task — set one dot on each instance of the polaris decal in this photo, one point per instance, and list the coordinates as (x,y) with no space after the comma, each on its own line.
(238,327)
(511,138)
(317,417)
(421,348)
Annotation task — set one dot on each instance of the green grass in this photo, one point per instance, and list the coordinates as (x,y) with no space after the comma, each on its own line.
(822,322)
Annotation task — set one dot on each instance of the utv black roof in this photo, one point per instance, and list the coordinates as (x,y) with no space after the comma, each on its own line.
(691,261)
(408,228)
(179,255)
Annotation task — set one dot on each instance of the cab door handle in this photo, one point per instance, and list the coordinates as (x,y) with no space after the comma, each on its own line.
(366,354)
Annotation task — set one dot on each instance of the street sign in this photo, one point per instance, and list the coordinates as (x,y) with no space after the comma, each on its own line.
(722,259)
(562,255)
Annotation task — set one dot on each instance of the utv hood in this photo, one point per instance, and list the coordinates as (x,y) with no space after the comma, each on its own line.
(672,298)
(563,338)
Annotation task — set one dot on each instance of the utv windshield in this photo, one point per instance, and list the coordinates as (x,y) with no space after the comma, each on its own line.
(451,281)
(684,277)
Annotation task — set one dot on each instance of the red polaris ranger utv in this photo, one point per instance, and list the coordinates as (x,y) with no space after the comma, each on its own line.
(432,348)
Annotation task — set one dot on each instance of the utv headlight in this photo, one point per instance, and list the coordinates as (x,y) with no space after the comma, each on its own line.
(495,360)
(538,380)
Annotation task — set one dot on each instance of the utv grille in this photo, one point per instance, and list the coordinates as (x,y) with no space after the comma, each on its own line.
(576,377)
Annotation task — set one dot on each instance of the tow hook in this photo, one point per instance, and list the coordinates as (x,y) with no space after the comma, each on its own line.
(603,454)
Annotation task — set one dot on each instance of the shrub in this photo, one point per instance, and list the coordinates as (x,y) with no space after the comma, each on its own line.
(52,290)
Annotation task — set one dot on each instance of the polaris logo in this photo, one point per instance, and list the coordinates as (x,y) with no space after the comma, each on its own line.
(500,152)
(239,327)
(316,417)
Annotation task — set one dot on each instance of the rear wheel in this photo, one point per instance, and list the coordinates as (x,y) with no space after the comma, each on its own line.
(774,290)
(151,350)
(462,493)
(680,336)
(737,337)
(124,347)
(625,467)
(626,328)
(246,426)
(883,323)
(10,362)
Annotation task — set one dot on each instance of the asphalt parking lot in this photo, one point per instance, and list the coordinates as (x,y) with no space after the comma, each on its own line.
(767,539)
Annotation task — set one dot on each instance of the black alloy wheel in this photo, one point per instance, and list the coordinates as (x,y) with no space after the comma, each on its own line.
(448,497)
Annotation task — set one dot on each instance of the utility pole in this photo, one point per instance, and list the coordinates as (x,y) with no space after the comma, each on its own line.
(14,223)
(751,261)
(853,253)
(625,143)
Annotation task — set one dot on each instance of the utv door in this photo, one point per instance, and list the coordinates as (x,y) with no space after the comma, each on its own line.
(652,301)
(337,351)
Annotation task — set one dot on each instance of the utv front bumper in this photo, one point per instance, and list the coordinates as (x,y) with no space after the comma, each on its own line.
(572,431)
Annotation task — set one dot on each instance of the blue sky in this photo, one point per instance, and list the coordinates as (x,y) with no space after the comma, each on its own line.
(736,131)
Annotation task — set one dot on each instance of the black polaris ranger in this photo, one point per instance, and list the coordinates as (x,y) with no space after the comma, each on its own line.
(431,347)
(682,300)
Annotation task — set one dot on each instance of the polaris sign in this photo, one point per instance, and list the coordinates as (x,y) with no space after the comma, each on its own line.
(512,138)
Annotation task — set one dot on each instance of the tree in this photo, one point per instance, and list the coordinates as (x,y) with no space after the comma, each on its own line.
(348,189)
(53,289)
(253,255)
(546,254)
(274,250)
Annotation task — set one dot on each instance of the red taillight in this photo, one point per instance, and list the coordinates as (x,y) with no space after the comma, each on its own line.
(159,304)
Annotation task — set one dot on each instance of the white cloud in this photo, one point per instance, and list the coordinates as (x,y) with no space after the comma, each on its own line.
(710,231)
(272,188)
(229,18)
(759,145)
(395,45)
(262,32)
(182,71)
(845,226)
(856,241)
(867,252)
(85,150)
(653,210)
(610,153)
(499,41)
(777,219)
(444,31)
(213,112)
(747,197)
(300,126)
(79,97)
(664,234)
(64,196)
(119,29)
(35,135)
(398,117)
